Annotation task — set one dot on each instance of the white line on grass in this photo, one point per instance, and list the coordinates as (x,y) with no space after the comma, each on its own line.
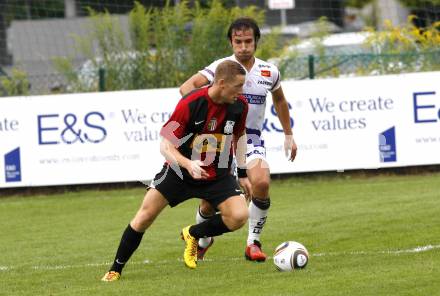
(55,267)
(387,252)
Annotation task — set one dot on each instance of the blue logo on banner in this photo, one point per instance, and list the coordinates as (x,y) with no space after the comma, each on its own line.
(387,145)
(12,166)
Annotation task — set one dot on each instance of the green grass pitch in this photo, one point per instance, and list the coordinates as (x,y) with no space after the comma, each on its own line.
(367,236)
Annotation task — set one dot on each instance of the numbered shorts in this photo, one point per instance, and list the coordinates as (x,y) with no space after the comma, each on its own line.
(177,190)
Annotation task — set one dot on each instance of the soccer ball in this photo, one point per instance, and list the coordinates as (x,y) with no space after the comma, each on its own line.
(290,255)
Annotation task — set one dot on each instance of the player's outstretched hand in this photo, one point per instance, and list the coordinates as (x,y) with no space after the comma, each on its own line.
(196,171)
(245,184)
(290,147)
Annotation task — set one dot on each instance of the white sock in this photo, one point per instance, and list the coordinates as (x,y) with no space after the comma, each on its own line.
(257,219)
(204,241)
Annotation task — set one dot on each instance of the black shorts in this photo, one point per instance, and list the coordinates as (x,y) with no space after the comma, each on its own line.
(177,190)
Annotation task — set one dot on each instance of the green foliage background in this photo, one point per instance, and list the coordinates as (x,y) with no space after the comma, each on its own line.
(408,3)
(165,46)
(15,85)
(419,3)
(395,49)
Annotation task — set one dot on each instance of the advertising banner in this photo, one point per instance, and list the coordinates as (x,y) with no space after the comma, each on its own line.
(338,124)
(83,138)
(357,123)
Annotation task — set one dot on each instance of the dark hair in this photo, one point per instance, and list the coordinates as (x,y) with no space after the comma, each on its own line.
(244,23)
(228,70)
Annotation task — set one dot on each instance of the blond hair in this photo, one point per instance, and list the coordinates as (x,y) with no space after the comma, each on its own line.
(227,70)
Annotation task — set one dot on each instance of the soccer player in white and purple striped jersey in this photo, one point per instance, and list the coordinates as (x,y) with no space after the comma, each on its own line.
(261,78)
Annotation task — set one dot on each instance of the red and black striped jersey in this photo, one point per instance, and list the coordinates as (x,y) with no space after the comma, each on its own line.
(202,129)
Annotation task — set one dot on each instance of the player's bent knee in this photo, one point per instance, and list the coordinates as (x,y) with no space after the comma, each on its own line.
(238,219)
(261,185)
(242,219)
(206,209)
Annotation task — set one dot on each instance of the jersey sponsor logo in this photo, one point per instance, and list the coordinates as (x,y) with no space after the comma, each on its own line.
(265,73)
(212,124)
(263,66)
(268,83)
(255,99)
(209,143)
(229,127)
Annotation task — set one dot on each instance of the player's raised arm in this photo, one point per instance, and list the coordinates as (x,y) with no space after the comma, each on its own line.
(196,81)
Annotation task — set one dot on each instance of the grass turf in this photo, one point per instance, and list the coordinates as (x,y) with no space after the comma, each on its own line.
(361,232)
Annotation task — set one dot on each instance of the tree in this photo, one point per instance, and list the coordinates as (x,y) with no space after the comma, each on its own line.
(357,3)
(419,3)
(426,11)
(31,9)
(5,58)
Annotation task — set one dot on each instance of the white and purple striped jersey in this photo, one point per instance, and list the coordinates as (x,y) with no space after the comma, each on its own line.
(264,77)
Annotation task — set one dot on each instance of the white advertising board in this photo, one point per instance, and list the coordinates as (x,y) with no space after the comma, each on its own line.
(364,122)
(339,124)
(85,138)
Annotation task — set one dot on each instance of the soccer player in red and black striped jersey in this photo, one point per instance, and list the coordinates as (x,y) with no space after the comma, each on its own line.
(205,128)
(262,78)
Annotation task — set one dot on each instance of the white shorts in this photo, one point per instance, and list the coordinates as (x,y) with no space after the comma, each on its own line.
(255,147)
(253,152)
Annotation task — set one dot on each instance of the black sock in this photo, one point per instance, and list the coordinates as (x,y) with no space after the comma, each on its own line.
(262,204)
(203,215)
(212,227)
(129,243)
